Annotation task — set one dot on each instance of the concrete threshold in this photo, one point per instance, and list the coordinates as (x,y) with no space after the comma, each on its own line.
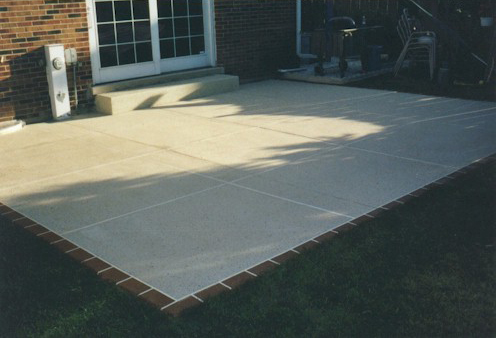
(157,79)
(150,95)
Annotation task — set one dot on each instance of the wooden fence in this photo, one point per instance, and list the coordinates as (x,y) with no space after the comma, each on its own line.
(371,8)
(384,13)
(377,12)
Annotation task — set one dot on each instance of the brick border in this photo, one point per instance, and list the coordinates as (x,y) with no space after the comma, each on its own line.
(174,307)
(239,279)
(104,270)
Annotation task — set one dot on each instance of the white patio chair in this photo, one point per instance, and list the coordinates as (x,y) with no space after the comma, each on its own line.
(418,46)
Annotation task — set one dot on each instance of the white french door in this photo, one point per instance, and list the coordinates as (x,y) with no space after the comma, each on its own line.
(136,38)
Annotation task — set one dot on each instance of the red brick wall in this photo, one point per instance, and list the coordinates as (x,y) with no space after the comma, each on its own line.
(25,27)
(255,37)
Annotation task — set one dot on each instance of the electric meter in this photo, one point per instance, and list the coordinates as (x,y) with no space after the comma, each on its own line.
(58,63)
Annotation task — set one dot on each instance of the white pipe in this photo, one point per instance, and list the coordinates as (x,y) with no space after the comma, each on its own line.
(298,34)
(75,86)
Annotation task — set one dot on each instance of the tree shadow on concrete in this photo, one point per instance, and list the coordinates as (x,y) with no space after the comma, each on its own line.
(205,201)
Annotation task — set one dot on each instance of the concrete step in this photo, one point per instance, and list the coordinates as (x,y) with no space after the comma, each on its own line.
(164,93)
(8,127)
(156,79)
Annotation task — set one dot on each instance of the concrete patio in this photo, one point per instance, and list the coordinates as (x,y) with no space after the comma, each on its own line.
(184,196)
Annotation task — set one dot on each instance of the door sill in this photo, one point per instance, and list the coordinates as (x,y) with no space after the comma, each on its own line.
(155,79)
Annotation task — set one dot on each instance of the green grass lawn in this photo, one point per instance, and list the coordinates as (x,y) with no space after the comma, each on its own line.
(427,268)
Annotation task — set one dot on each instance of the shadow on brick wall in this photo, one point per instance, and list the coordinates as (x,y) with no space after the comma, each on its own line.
(25,91)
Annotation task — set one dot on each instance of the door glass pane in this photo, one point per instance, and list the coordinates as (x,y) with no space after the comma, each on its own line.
(182,33)
(104,11)
(123,32)
(126,54)
(140,9)
(164,8)
(142,31)
(165,29)
(108,56)
(144,52)
(182,47)
(180,7)
(196,25)
(195,7)
(181,27)
(106,34)
(197,45)
(167,49)
(122,10)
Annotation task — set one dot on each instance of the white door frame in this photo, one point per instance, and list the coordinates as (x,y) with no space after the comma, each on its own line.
(159,66)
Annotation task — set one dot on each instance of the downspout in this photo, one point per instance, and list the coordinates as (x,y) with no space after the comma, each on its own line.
(298,34)
(76,101)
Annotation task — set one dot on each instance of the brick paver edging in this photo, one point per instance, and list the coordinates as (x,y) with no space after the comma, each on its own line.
(175,307)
